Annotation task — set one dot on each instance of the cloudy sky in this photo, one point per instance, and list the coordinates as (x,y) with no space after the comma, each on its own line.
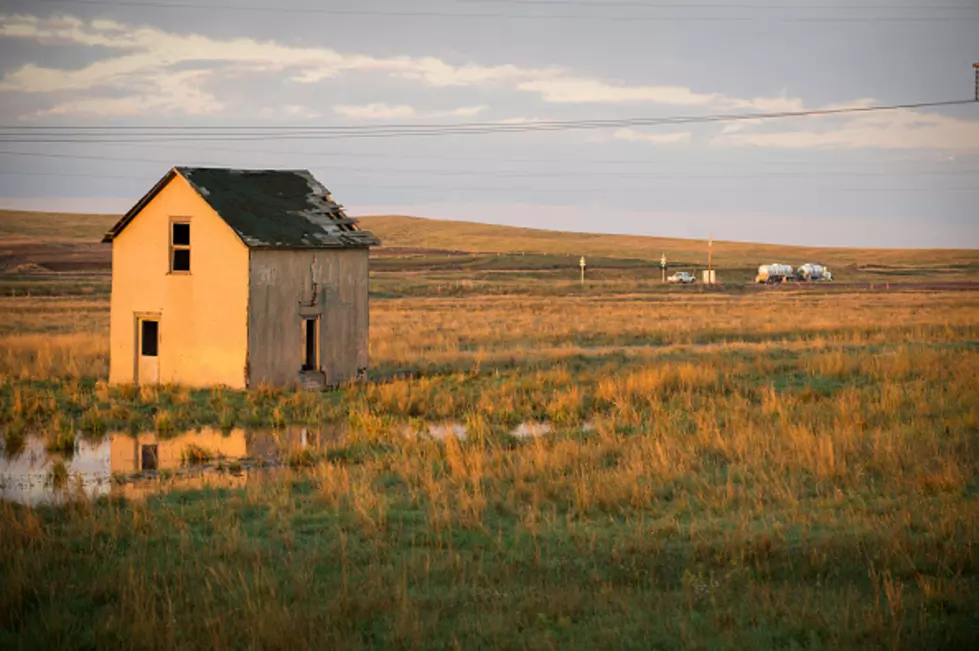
(890,178)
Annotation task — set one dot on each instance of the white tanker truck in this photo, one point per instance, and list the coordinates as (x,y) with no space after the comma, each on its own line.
(774,273)
(813,272)
(783,273)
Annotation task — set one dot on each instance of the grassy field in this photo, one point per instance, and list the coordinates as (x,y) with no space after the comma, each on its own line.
(725,470)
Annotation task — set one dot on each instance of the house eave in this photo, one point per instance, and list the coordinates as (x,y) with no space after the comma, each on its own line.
(135,210)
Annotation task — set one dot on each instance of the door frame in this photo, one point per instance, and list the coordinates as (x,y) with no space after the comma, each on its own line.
(138,318)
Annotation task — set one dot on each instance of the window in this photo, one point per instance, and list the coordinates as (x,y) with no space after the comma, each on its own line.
(150,458)
(149,334)
(310,332)
(180,246)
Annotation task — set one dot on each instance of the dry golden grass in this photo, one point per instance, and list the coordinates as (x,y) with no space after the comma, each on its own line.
(758,470)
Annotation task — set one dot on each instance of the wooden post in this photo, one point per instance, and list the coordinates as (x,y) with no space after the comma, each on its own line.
(710,242)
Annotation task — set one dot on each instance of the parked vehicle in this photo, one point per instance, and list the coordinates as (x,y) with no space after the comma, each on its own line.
(774,273)
(682,277)
(813,273)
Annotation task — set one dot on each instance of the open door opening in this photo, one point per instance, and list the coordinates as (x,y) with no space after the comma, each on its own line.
(311,361)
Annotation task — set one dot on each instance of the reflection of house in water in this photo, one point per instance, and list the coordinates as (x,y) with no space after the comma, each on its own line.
(148,452)
(25,476)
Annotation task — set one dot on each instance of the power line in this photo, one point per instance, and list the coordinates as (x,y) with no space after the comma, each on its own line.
(135,134)
(554,174)
(716,5)
(708,5)
(506,16)
(417,186)
(495,159)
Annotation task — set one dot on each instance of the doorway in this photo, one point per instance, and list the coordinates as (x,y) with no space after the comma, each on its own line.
(311,341)
(147,350)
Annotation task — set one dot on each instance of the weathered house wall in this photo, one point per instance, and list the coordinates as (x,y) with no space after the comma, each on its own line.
(283,279)
(203,314)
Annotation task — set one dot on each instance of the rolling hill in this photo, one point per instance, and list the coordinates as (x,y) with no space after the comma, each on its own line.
(402,231)
(59,234)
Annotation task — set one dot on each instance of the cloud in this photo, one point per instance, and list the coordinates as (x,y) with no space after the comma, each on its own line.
(523,120)
(380,111)
(582,91)
(632,135)
(375,111)
(153,52)
(179,91)
(148,55)
(153,71)
(768,104)
(290,111)
(740,125)
(464,111)
(901,129)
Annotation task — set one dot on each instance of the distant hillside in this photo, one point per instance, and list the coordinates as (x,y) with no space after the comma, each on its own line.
(401,231)
(54,225)
(418,233)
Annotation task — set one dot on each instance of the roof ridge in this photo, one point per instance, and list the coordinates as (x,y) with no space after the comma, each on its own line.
(266,208)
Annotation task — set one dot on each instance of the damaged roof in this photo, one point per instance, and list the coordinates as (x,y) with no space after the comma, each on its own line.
(267,208)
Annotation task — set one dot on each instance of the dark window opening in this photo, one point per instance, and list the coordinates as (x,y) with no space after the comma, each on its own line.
(181,234)
(149,459)
(180,246)
(310,362)
(181,259)
(148,338)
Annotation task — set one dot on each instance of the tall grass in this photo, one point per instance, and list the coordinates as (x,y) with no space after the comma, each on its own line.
(723,472)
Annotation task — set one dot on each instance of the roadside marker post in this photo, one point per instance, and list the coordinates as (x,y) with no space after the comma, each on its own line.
(710,245)
(582,263)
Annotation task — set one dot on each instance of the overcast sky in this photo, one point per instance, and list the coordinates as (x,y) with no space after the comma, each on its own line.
(907,178)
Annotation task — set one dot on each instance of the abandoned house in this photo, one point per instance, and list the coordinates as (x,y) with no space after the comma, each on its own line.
(238,277)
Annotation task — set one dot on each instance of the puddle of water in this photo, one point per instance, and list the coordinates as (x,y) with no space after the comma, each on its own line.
(438,431)
(531,429)
(26,477)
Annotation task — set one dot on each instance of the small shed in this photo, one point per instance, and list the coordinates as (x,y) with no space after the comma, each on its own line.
(238,277)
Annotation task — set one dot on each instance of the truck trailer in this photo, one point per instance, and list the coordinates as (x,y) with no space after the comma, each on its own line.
(774,273)
(813,273)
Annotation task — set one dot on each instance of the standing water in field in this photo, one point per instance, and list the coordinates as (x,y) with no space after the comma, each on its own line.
(33,475)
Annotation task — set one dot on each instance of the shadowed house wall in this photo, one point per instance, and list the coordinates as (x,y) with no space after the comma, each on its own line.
(203,314)
(282,283)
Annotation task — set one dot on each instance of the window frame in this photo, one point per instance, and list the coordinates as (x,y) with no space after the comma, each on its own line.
(174,247)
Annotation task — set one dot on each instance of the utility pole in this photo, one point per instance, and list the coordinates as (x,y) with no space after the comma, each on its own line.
(976,66)
(710,242)
(582,263)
